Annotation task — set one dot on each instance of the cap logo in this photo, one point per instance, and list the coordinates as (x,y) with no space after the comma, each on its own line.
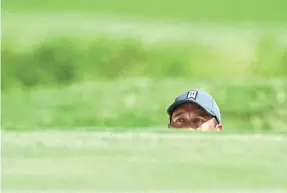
(192,94)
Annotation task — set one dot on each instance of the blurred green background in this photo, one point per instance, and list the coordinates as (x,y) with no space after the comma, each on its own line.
(119,64)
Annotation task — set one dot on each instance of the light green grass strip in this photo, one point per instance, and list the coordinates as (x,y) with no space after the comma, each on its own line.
(190,10)
(90,161)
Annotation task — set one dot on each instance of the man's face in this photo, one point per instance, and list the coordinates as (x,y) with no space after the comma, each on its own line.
(190,115)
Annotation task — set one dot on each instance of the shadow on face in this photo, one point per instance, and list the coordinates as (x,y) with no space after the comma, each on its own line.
(192,116)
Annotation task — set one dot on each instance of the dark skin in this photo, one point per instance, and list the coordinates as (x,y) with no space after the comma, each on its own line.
(192,116)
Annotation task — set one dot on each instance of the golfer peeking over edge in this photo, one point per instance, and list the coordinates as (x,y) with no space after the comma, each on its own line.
(195,109)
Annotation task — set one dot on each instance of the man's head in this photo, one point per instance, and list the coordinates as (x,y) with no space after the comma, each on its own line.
(195,109)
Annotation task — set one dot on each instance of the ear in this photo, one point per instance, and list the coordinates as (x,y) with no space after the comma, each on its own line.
(219,127)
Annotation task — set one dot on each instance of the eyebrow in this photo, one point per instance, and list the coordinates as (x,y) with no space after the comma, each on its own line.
(202,114)
(178,114)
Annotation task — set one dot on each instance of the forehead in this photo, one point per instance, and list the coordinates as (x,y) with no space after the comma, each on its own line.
(190,107)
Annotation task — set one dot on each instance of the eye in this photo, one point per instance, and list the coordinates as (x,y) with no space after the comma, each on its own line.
(179,120)
(199,120)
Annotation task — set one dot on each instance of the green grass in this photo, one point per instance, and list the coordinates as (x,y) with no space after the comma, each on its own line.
(138,161)
(218,51)
(246,104)
(204,10)
(65,60)
(32,28)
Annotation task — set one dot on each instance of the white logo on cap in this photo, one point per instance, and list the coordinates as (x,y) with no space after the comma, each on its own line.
(192,94)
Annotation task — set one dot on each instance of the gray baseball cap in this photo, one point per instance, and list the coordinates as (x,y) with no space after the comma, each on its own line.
(201,98)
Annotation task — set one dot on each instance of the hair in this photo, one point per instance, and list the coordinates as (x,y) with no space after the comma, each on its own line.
(216,121)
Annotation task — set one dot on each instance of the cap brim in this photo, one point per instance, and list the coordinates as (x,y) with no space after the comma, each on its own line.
(173,106)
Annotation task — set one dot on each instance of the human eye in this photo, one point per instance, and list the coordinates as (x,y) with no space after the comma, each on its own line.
(179,120)
(199,120)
